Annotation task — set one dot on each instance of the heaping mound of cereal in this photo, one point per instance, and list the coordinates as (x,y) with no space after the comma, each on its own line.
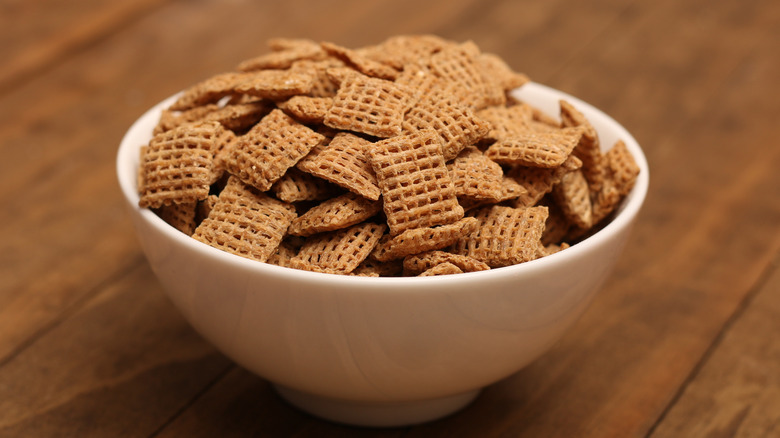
(408,157)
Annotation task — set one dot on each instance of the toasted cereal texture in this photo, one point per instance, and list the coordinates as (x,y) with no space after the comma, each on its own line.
(416,187)
(372,268)
(369,105)
(170,119)
(209,91)
(264,154)
(245,222)
(588,150)
(180,216)
(548,149)
(505,235)
(457,66)
(224,140)
(283,254)
(343,161)
(573,196)
(455,123)
(240,116)
(277,84)
(445,268)
(401,50)
(475,176)
(285,52)
(307,109)
(417,240)
(334,214)
(605,201)
(177,164)
(623,170)
(419,263)
(338,252)
(359,62)
(418,76)
(296,186)
(495,68)
(507,122)
(204,208)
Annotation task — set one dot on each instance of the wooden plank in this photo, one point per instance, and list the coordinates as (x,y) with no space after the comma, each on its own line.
(736,393)
(120,366)
(37,35)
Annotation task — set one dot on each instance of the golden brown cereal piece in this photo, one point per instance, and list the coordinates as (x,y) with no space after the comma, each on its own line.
(456,65)
(222,143)
(442,269)
(418,263)
(307,109)
(539,181)
(402,50)
(373,268)
(170,119)
(548,149)
(283,254)
(180,216)
(475,176)
(209,91)
(573,196)
(588,150)
(623,170)
(204,208)
(507,121)
(505,235)
(264,154)
(245,223)
(369,105)
(455,123)
(240,116)
(495,68)
(417,240)
(176,165)
(343,161)
(338,252)
(605,201)
(419,77)
(359,62)
(284,53)
(415,184)
(334,214)
(296,186)
(324,85)
(277,84)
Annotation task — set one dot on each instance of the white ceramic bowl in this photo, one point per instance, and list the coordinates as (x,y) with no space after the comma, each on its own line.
(381,351)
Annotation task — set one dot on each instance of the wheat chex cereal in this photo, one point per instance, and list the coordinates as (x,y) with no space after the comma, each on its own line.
(403,158)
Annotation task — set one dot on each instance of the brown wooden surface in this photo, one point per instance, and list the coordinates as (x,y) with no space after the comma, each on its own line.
(681,341)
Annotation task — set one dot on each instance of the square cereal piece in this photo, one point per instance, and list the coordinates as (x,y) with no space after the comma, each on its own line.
(179,216)
(418,263)
(417,240)
(307,109)
(343,161)
(457,66)
(324,85)
(476,176)
(369,105)
(334,214)
(495,68)
(359,62)
(537,149)
(573,197)
(240,116)
(283,255)
(277,84)
(245,222)
(209,91)
(505,235)
(623,170)
(402,50)
(539,181)
(416,187)
(296,186)
(445,268)
(262,156)
(176,165)
(507,121)
(285,52)
(338,252)
(456,124)
(588,149)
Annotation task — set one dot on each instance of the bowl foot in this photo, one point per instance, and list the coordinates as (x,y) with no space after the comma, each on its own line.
(377,414)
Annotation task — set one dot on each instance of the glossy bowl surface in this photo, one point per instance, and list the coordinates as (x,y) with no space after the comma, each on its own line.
(381,351)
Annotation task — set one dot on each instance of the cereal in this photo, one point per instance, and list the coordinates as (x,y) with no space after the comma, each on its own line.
(405,158)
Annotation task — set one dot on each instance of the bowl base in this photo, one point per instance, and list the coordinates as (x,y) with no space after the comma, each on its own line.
(377,414)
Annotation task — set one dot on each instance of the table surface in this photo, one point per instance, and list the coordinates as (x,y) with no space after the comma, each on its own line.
(682,340)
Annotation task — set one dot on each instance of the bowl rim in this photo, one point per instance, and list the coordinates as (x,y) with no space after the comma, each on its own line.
(127,162)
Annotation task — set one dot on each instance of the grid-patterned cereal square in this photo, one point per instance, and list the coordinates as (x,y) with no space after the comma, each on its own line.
(338,252)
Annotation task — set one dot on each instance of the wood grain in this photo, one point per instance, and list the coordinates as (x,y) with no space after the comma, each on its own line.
(678,343)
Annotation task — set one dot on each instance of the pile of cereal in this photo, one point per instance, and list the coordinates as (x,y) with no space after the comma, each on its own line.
(403,158)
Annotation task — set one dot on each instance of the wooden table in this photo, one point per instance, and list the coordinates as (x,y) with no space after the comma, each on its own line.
(682,340)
